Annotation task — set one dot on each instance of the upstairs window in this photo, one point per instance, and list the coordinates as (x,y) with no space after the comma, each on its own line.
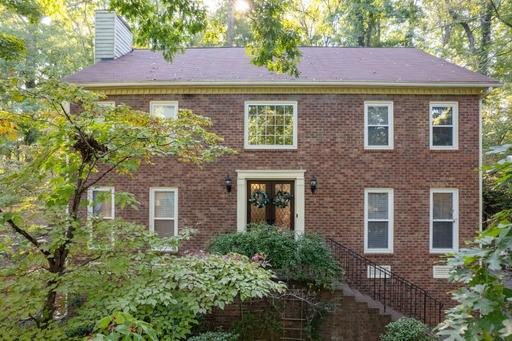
(164,109)
(378,220)
(443,220)
(378,122)
(444,125)
(270,125)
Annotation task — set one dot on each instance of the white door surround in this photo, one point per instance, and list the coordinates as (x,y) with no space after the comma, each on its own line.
(244,175)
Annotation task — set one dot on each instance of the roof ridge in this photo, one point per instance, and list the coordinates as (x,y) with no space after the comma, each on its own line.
(300,46)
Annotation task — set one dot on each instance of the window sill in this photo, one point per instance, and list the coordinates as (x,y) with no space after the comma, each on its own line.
(378,253)
(442,252)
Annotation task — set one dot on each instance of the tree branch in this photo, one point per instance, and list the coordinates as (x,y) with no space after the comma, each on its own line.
(500,18)
(27,236)
(113,167)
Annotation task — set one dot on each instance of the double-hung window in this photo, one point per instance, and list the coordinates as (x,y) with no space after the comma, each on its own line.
(164,109)
(443,220)
(270,125)
(378,125)
(101,203)
(101,207)
(444,118)
(378,220)
(163,211)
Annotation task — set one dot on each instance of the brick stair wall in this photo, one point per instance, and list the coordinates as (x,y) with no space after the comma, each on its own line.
(350,319)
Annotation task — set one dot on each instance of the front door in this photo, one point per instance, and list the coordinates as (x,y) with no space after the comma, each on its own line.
(271,202)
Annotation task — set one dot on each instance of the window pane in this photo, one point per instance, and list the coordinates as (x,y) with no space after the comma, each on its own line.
(377,206)
(377,115)
(442,136)
(164,110)
(164,204)
(377,235)
(442,235)
(102,203)
(164,228)
(378,136)
(442,115)
(443,205)
(270,125)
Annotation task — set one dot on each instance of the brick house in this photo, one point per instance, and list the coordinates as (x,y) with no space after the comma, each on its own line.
(379,147)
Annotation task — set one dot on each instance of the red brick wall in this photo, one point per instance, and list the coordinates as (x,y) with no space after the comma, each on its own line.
(330,146)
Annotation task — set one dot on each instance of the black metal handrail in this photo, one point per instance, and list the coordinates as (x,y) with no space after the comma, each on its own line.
(391,290)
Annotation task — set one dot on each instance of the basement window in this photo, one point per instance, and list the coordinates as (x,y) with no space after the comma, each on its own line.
(270,125)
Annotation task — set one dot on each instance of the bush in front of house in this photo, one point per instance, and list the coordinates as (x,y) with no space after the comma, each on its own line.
(407,329)
(304,259)
(214,336)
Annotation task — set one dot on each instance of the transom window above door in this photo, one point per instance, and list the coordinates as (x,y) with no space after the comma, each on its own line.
(270,125)
(164,109)
(378,125)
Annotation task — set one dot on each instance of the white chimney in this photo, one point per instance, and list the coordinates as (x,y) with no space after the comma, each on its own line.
(113,37)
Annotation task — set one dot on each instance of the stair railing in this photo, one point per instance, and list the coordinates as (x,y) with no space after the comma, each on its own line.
(386,287)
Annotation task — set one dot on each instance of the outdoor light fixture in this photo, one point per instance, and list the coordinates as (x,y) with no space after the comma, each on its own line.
(313,184)
(228,182)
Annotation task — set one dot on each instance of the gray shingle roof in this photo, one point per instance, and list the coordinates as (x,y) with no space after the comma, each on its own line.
(399,66)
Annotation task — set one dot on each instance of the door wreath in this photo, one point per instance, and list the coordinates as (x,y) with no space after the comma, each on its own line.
(259,199)
(282,199)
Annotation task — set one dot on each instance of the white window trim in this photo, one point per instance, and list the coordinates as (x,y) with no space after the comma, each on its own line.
(269,146)
(153,103)
(390,220)
(455,218)
(390,125)
(268,174)
(90,209)
(454,125)
(106,103)
(152,191)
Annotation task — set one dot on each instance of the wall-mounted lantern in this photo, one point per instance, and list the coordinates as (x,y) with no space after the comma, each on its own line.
(313,184)
(229,183)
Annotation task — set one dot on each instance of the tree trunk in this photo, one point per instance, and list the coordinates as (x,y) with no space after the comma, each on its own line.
(231,23)
(485,40)
(57,266)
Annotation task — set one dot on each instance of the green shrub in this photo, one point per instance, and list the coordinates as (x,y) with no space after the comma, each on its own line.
(214,336)
(305,259)
(266,325)
(406,329)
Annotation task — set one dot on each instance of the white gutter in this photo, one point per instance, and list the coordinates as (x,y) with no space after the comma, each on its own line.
(288,83)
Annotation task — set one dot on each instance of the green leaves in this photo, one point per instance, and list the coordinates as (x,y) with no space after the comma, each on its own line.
(275,40)
(167,25)
(123,326)
(306,259)
(484,302)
